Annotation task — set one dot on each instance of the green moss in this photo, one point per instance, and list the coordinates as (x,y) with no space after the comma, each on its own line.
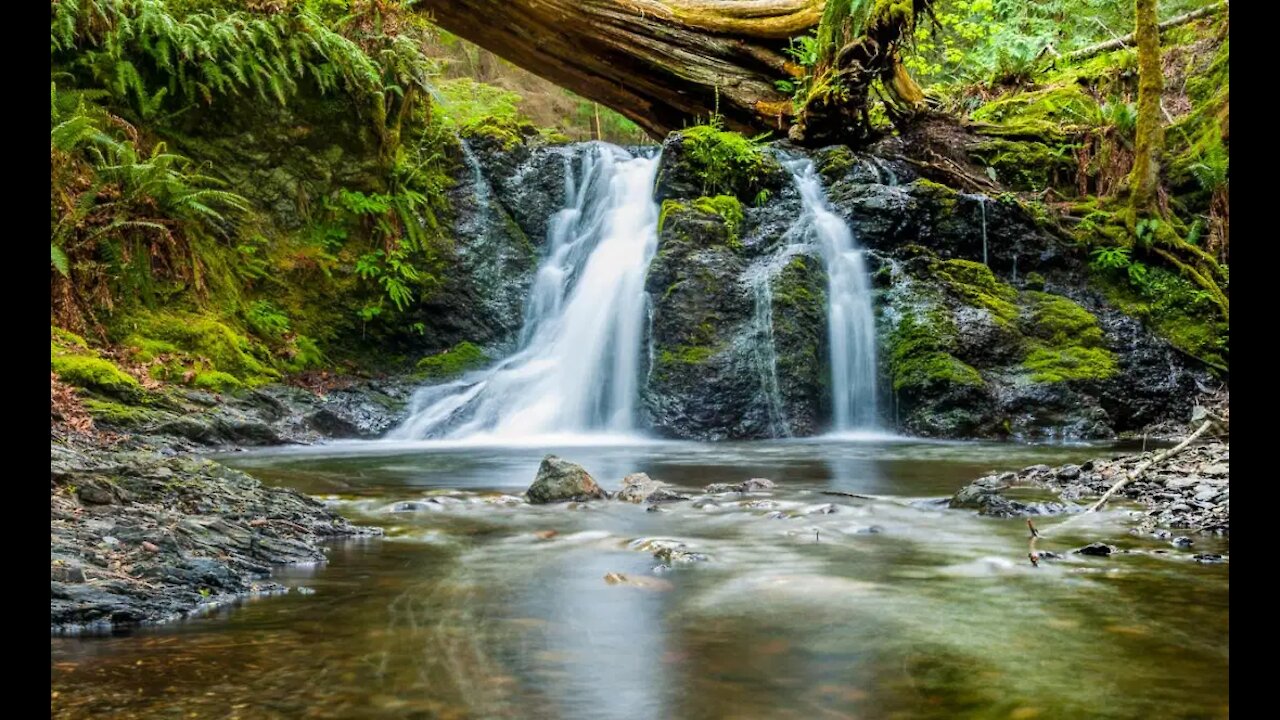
(728,163)
(66,338)
(93,373)
(1058,321)
(975,283)
(1046,113)
(1028,165)
(306,355)
(201,343)
(919,357)
(1174,309)
(118,414)
(216,381)
(836,162)
(452,362)
(729,208)
(668,207)
(509,132)
(1064,341)
(686,355)
(1034,281)
(941,195)
(1047,364)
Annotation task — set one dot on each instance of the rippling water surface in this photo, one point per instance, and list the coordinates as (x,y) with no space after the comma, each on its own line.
(809,605)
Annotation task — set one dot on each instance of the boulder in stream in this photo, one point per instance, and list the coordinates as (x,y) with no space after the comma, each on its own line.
(561,481)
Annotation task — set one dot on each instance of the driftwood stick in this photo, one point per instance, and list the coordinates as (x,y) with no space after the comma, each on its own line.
(1158,458)
(1128,40)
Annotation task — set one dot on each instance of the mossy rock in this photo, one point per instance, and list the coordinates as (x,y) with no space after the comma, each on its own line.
(706,161)
(1072,362)
(201,343)
(79,365)
(1065,342)
(507,133)
(96,374)
(216,381)
(977,285)
(920,358)
(729,208)
(451,363)
(119,414)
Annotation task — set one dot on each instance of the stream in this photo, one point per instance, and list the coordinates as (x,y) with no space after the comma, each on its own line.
(878,604)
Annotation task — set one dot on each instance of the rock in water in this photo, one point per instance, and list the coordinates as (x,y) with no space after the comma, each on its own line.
(636,487)
(560,481)
(1096,549)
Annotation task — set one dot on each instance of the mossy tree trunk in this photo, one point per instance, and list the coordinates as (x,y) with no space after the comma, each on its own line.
(1145,176)
(668,63)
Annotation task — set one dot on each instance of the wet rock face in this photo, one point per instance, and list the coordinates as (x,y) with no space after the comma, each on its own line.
(698,385)
(738,320)
(140,538)
(270,415)
(1016,346)
(562,481)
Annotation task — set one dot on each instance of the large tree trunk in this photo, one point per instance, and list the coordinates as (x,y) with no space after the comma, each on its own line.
(1145,177)
(666,64)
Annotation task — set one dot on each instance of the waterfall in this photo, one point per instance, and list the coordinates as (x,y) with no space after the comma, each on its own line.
(850,320)
(577,368)
(764,353)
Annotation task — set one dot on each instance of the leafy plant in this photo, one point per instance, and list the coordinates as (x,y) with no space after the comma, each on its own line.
(804,50)
(1110,258)
(123,213)
(1145,231)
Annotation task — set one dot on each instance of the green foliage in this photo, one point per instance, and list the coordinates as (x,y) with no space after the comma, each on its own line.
(266,320)
(393,220)
(467,103)
(122,216)
(1002,41)
(1145,231)
(151,56)
(461,358)
(728,163)
(1110,258)
(729,209)
(804,50)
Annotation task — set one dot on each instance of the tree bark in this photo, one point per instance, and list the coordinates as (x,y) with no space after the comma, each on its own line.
(1145,177)
(666,64)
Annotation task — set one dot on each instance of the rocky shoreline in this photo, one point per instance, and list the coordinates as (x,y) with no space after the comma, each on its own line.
(1190,492)
(143,530)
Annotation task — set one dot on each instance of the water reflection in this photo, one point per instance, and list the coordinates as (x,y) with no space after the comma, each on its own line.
(881,608)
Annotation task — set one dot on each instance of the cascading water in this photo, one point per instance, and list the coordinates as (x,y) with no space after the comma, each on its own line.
(850,320)
(577,369)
